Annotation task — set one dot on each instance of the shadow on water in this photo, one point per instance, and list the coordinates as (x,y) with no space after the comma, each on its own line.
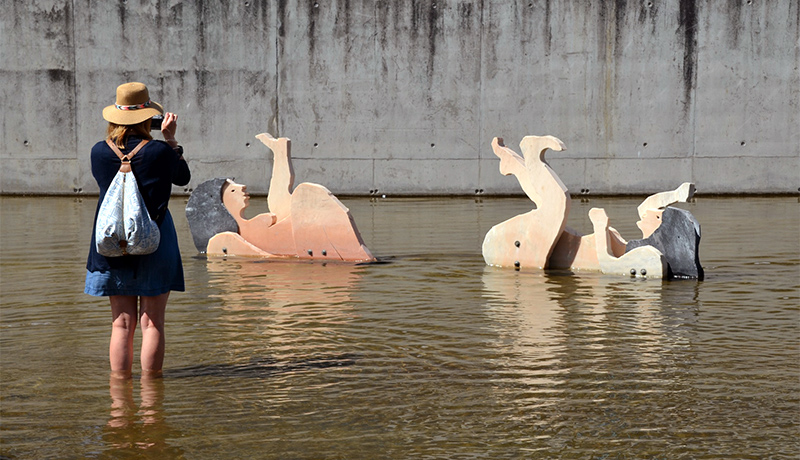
(262,368)
(381,260)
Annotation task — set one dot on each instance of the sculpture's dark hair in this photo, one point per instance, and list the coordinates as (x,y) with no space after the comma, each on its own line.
(206,213)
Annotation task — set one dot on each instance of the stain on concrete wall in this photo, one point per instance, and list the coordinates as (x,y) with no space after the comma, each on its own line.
(404,96)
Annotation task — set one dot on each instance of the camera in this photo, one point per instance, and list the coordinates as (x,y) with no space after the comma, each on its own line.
(155,123)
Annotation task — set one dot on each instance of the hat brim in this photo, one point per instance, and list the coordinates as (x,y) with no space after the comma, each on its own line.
(131,117)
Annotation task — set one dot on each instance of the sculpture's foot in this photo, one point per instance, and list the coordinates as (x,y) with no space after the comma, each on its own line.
(533,147)
(510,162)
(278,146)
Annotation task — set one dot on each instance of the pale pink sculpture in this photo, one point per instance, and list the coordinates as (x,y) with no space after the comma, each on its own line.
(307,222)
(528,240)
(541,239)
(646,260)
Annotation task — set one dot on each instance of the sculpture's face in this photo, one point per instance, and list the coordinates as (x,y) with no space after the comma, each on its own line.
(651,220)
(235,197)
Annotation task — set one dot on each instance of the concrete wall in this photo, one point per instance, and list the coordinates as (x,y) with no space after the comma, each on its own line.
(404,96)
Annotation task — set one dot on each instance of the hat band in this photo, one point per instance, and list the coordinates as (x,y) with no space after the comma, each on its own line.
(133,107)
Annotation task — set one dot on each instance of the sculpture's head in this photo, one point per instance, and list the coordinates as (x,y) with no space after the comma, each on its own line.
(235,197)
(650,221)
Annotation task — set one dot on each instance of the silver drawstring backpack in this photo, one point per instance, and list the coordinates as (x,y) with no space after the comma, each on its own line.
(123,224)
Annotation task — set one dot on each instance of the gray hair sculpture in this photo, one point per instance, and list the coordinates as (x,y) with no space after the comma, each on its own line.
(207,215)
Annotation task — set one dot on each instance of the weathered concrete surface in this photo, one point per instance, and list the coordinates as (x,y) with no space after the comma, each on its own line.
(404,96)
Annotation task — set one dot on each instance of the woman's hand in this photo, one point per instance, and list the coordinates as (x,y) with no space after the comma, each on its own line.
(168,128)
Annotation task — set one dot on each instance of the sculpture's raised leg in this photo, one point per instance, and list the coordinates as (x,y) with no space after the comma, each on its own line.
(282,180)
(527,240)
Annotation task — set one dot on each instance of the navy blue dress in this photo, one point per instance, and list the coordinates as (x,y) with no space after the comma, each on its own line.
(156,168)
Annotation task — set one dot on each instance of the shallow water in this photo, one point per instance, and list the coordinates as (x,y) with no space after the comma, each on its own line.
(431,355)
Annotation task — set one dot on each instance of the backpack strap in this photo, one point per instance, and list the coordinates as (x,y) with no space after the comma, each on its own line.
(126,158)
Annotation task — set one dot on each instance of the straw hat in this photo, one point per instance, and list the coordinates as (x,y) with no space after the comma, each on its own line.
(133,105)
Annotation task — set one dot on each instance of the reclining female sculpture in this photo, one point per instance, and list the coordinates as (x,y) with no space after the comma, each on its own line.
(541,239)
(307,222)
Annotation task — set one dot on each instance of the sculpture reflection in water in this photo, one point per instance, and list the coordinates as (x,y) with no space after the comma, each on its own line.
(540,238)
(282,287)
(528,321)
(305,223)
(568,335)
(297,311)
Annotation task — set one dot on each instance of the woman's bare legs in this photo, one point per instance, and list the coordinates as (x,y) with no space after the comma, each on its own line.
(124,317)
(153,339)
(123,325)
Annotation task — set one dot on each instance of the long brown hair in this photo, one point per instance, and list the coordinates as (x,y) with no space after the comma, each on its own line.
(119,133)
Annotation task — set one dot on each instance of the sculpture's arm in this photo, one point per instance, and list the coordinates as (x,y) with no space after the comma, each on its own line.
(642,261)
(663,199)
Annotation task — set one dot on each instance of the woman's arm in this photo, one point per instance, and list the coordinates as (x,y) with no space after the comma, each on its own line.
(181,175)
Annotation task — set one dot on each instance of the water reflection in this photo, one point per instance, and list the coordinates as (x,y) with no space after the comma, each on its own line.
(526,317)
(277,298)
(595,353)
(138,431)
(260,307)
(275,285)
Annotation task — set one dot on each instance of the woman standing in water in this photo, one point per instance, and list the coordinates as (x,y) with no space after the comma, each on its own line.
(138,287)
